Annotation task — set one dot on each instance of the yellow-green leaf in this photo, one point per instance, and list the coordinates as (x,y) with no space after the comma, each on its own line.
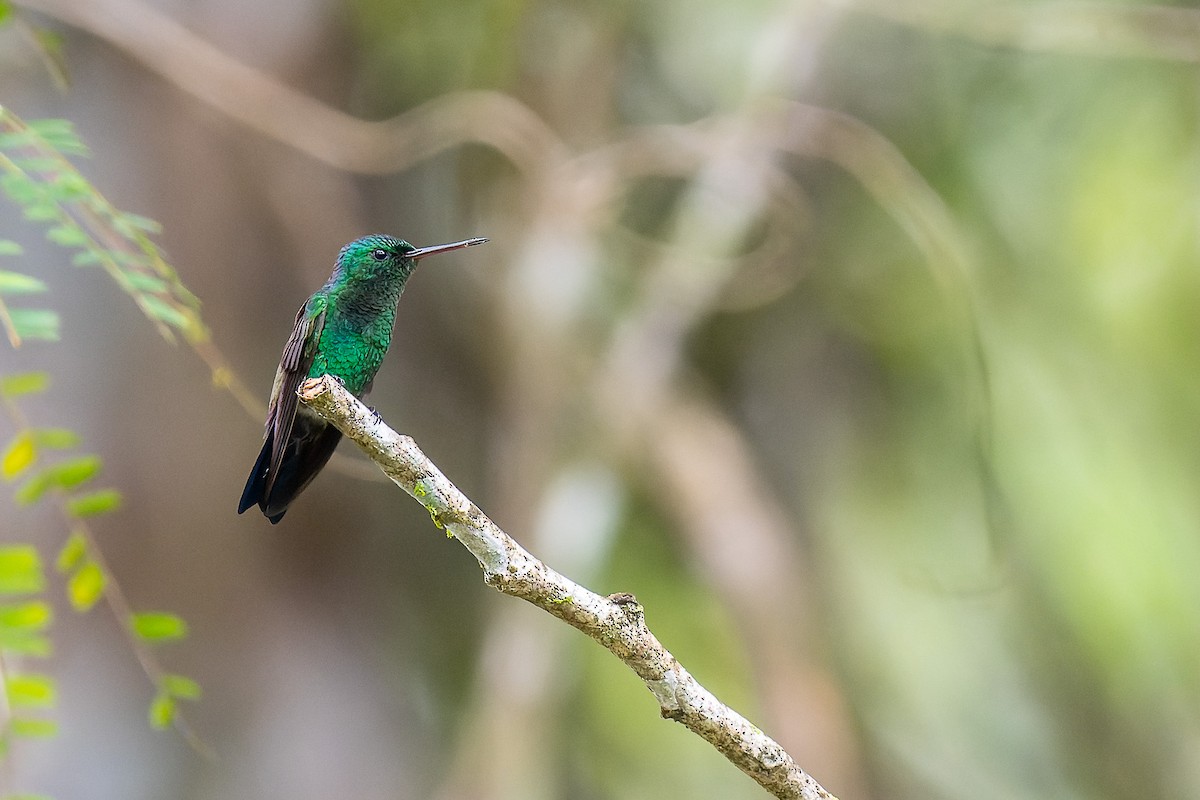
(19,283)
(31,691)
(181,686)
(162,711)
(40,210)
(158,626)
(67,475)
(147,283)
(20,570)
(57,132)
(32,616)
(138,222)
(72,553)
(56,438)
(86,258)
(23,642)
(67,236)
(33,728)
(24,383)
(74,472)
(89,505)
(162,310)
(35,323)
(86,586)
(19,456)
(32,490)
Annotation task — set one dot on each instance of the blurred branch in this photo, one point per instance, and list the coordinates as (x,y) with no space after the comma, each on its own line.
(688,446)
(305,124)
(616,622)
(290,117)
(1100,29)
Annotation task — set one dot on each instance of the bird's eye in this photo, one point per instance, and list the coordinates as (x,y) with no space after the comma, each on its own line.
(379,254)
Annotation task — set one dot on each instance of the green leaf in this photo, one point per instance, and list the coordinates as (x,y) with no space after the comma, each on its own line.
(35,323)
(56,438)
(5,12)
(18,283)
(86,258)
(39,163)
(39,210)
(181,686)
(72,473)
(67,236)
(32,490)
(147,283)
(24,383)
(138,222)
(34,615)
(72,553)
(21,188)
(31,691)
(18,456)
(27,643)
(163,311)
(94,503)
(20,570)
(27,796)
(17,140)
(10,248)
(130,260)
(70,186)
(28,728)
(162,711)
(158,626)
(54,130)
(86,586)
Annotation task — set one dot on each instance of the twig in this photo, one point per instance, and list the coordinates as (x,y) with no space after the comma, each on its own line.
(616,622)
(10,327)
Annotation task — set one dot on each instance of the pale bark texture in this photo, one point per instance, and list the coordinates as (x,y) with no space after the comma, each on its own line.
(616,622)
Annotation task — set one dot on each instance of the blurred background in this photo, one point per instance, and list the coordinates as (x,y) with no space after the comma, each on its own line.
(856,340)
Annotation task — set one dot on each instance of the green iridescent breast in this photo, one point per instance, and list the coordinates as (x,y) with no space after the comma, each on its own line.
(352,348)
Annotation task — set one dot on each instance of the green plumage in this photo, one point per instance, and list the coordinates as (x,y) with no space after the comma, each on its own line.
(343,330)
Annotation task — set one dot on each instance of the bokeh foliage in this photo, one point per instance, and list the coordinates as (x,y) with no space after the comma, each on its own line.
(957,357)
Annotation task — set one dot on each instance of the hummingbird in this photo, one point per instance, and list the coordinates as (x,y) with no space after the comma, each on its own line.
(343,330)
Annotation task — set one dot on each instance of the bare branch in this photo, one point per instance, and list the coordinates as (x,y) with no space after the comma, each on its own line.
(616,622)
(286,115)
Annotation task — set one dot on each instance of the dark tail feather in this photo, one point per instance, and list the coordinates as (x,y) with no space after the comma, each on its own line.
(308,450)
(256,484)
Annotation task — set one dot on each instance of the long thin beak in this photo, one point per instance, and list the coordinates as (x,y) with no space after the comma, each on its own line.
(421,252)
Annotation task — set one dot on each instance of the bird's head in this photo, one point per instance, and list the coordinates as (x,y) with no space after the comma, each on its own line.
(379,254)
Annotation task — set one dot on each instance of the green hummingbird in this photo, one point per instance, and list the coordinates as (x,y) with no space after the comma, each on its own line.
(343,330)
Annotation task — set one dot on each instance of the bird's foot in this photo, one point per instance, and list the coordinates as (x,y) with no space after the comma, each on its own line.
(375,414)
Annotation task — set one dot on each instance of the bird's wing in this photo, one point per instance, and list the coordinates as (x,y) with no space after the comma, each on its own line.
(297,359)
